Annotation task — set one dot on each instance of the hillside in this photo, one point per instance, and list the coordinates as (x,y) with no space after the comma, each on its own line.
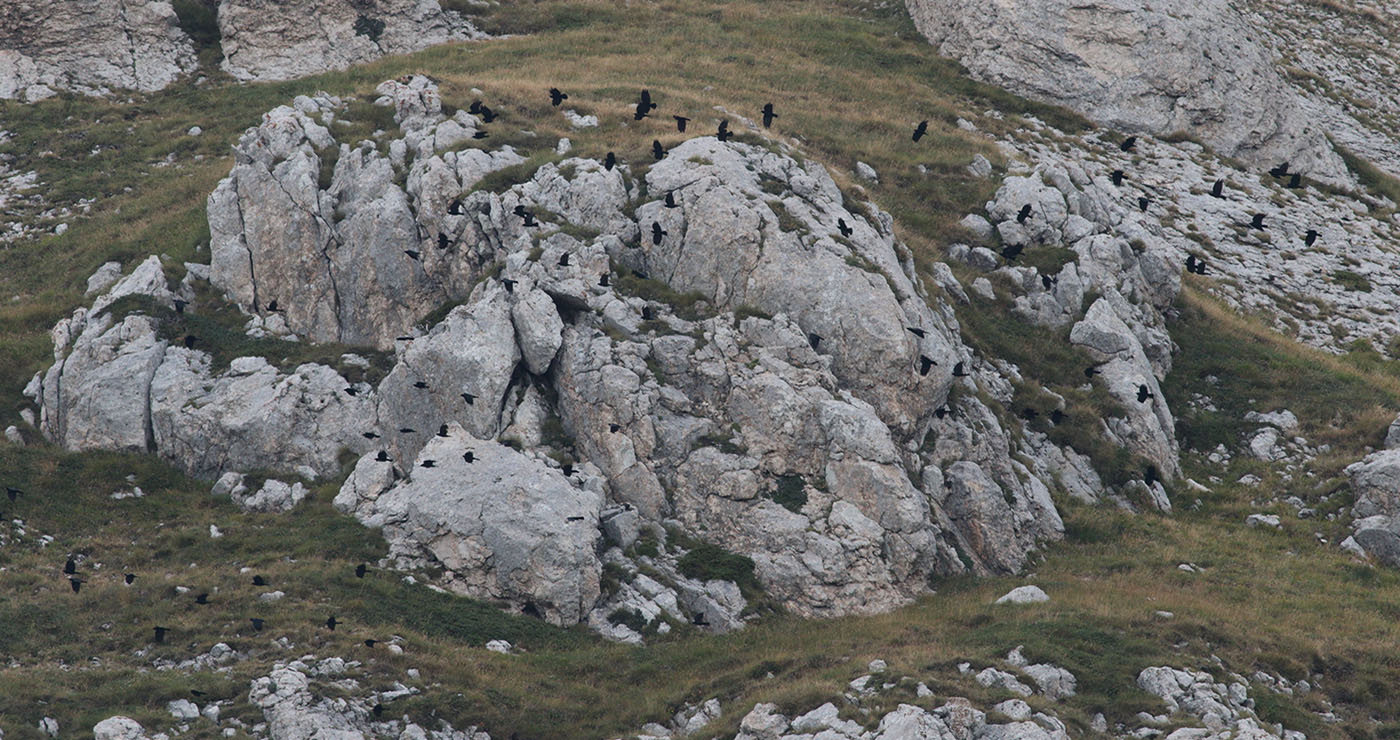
(710,433)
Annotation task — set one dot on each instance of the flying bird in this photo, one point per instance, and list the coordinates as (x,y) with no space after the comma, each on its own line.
(180,305)
(331,623)
(360,570)
(959,371)
(468,457)
(614,427)
(1218,189)
(468,397)
(76,584)
(202,599)
(382,457)
(1048,282)
(510,284)
(920,130)
(12,492)
(443,241)
(846,231)
(641,112)
(603,280)
(916,331)
(351,390)
(429,463)
(1091,371)
(1295,182)
(272,306)
(369,435)
(768,115)
(455,208)
(1128,144)
(413,254)
(1257,222)
(657,233)
(1024,214)
(1190,263)
(474,108)
(1311,237)
(648,314)
(487,115)
(1012,251)
(442,431)
(420,385)
(1143,394)
(925,362)
(371,643)
(407,430)
(556,97)
(567,469)
(645,100)
(671,199)
(1280,170)
(573,518)
(680,123)
(481,134)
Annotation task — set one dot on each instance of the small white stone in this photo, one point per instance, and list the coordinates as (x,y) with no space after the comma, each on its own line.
(214,532)
(1024,595)
(498,646)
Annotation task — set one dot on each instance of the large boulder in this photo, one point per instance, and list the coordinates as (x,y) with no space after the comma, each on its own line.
(1142,67)
(89,46)
(280,40)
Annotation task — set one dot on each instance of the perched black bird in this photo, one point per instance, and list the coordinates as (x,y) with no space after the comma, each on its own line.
(671,199)
(1190,263)
(70,567)
(556,97)
(657,150)
(941,411)
(378,710)
(407,430)
(1218,189)
(272,306)
(202,599)
(455,208)
(257,623)
(371,643)
(567,469)
(1280,170)
(259,581)
(699,620)
(468,397)
(129,578)
(180,305)
(1257,222)
(1091,371)
(331,623)
(959,371)
(1012,251)
(925,362)
(413,254)
(190,339)
(657,233)
(1295,182)
(815,340)
(920,130)
(1143,394)
(369,435)
(1150,476)
(724,133)
(382,457)
(1024,214)
(603,280)
(442,431)
(510,284)
(1128,144)
(846,231)
(614,427)
(430,463)
(480,134)
(1142,203)
(443,241)
(1311,237)
(351,390)
(1117,177)
(768,115)
(468,457)
(648,314)
(610,161)
(360,570)
(160,633)
(680,123)
(474,108)
(420,385)
(564,260)
(76,584)
(916,331)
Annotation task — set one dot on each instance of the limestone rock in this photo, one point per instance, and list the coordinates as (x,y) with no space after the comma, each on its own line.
(1024,595)
(118,728)
(274,496)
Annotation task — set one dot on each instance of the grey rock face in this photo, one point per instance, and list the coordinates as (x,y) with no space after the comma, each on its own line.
(271,40)
(90,47)
(1139,67)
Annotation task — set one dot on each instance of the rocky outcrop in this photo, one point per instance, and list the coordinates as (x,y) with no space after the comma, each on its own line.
(279,40)
(1193,67)
(89,46)
(1375,481)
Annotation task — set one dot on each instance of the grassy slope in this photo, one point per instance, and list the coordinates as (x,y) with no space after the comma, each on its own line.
(849,82)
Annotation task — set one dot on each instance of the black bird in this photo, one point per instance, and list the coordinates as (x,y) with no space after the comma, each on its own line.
(468,457)
(1091,371)
(257,623)
(564,260)
(1218,189)
(442,431)
(70,567)
(259,581)
(1201,268)
(404,338)
(640,274)
(920,130)
(369,435)
(160,633)
(645,100)
(351,390)
(1258,222)
(1149,476)
(556,97)
(1057,416)
(129,578)
(524,214)
(1295,182)
(443,241)
(1190,263)
(371,643)
(455,208)
(360,570)
(610,161)
(12,492)
(680,123)
(1143,394)
(671,199)
(180,305)
(1311,237)
(510,284)
(815,340)
(648,314)
(1128,144)
(657,150)
(382,456)
(916,331)
(768,115)
(407,430)
(1029,414)
(573,518)
(1142,203)
(846,231)
(430,463)
(272,306)
(487,115)
(567,469)
(641,112)
(1047,282)
(202,599)
(1280,170)
(480,134)
(1024,214)
(925,362)
(468,397)
(614,427)
(959,372)
(190,339)
(77,584)
(413,254)
(420,385)
(724,133)
(331,623)
(941,411)
(378,710)
(1012,251)
(699,620)
(474,108)
(657,233)
(1117,177)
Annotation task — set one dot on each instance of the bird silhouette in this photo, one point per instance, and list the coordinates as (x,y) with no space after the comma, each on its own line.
(413,254)
(76,584)
(680,123)
(351,390)
(614,427)
(1012,251)
(640,112)
(925,363)
(1190,263)
(442,431)
(657,150)
(487,115)
(259,581)
(1279,170)
(12,492)
(371,643)
(190,340)
(1218,189)
(920,130)
(202,599)
(671,199)
(257,623)
(768,115)
(1201,267)
(455,208)
(468,457)
(603,280)
(180,305)
(724,133)
(648,314)
(1047,282)
(556,97)
(564,260)
(815,340)
(429,464)
(443,241)
(567,469)
(331,623)
(1024,214)
(1117,177)
(1143,394)
(474,108)
(573,518)
(1295,182)
(645,100)
(481,134)
(468,397)
(382,457)
(1128,144)
(272,306)
(70,567)
(959,372)
(1142,203)
(610,161)
(129,578)
(510,284)
(916,331)
(160,633)
(657,233)
(407,430)
(940,412)
(1257,222)
(404,338)
(420,385)
(360,570)
(846,231)
(1311,237)
(369,435)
